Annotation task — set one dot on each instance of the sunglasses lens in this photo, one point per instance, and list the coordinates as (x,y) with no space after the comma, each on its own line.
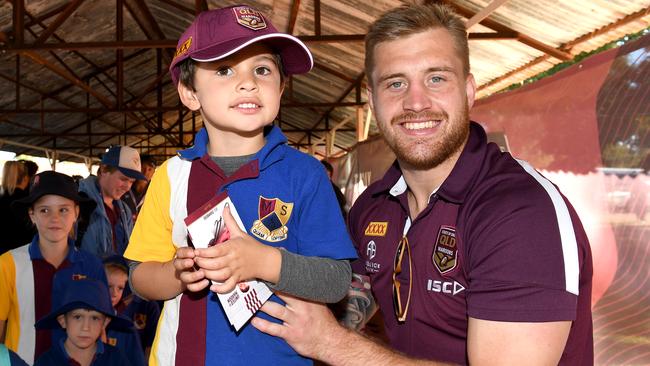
(400,312)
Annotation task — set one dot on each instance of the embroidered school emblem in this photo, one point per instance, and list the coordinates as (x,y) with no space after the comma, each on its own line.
(376,228)
(140,321)
(183,48)
(249,18)
(445,251)
(273,216)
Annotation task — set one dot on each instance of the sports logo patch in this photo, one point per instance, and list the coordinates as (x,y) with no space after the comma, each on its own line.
(273,216)
(249,18)
(183,48)
(371,249)
(445,251)
(376,228)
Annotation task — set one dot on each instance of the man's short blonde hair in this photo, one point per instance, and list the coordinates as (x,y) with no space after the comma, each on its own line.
(411,19)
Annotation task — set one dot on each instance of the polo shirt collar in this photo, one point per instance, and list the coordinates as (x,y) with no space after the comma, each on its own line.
(468,167)
(35,250)
(459,182)
(267,155)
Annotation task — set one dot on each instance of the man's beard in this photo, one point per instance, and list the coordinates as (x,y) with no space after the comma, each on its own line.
(438,151)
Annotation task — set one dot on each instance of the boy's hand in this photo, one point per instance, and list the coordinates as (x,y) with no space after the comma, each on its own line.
(238,259)
(191,278)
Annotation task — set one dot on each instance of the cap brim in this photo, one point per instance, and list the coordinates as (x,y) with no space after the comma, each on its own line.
(132,173)
(50,321)
(86,204)
(296,57)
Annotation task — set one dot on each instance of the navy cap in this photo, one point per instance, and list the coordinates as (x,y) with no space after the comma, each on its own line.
(51,182)
(126,159)
(87,293)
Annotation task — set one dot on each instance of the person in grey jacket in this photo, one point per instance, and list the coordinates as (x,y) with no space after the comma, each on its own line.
(108,227)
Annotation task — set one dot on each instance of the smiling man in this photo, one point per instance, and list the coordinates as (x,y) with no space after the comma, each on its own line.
(472,255)
(107,230)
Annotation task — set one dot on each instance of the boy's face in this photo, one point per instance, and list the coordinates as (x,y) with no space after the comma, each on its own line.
(115,184)
(116,284)
(54,217)
(83,326)
(239,94)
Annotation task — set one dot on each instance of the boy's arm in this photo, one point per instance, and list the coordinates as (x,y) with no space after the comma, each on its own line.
(313,278)
(165,280)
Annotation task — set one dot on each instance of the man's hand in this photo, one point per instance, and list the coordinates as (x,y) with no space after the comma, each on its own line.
(192,279)
(307,326)
(238,259)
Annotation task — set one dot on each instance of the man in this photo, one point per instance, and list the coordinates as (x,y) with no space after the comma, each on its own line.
(107,230)
(473,256)
(135,196)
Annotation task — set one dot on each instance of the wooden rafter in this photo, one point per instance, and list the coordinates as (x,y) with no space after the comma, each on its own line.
(63,16)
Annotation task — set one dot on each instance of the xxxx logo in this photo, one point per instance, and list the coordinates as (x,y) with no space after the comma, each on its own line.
(376,228)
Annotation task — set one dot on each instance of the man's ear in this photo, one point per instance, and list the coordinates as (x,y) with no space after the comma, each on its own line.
(61,320)
(470,90)
(188,97)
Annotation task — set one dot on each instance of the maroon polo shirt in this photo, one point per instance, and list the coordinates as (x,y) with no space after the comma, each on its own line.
(497,241)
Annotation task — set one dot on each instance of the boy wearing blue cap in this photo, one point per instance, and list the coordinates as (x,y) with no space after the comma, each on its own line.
(31,274)
(109,226)
(230,65)
(84,312)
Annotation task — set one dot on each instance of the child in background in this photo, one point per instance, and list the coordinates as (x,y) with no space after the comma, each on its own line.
(230,65)
(84,313)
(144,314)
(30,274)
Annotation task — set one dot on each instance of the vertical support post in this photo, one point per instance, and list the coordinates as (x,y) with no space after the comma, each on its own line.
(360,124)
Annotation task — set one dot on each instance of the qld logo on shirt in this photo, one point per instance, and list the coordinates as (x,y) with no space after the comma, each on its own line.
(445,251)
(273,215)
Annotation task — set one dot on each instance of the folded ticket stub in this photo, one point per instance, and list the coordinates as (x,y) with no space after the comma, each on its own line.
(206,228)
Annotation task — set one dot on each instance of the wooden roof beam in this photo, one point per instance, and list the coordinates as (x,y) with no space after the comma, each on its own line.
(293,16)
(18,19)
(525,39)
(345,93)
(484,13)
(63,16)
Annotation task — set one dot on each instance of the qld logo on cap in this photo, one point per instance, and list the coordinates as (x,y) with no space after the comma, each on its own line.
(249,18)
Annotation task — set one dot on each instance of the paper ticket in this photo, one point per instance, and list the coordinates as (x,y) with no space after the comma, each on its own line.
(206,228)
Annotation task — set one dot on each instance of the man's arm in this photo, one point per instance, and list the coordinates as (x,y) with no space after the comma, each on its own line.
(509,343)
(311,329)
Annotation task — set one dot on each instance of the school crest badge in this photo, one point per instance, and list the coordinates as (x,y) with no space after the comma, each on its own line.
(139,321)
(273,216)
(183,48)
(249,18)
(445,250)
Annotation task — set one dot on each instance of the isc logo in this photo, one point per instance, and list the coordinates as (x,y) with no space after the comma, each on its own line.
(376,228)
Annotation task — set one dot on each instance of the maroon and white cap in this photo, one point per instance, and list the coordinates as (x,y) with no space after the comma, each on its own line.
(216,34)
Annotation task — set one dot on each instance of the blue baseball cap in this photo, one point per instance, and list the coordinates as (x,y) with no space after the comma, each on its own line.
(126,159)
(87,293)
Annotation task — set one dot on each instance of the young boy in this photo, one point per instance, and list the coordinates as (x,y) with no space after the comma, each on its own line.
(32,273)
(144,314)
(230,65)
(84,312)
